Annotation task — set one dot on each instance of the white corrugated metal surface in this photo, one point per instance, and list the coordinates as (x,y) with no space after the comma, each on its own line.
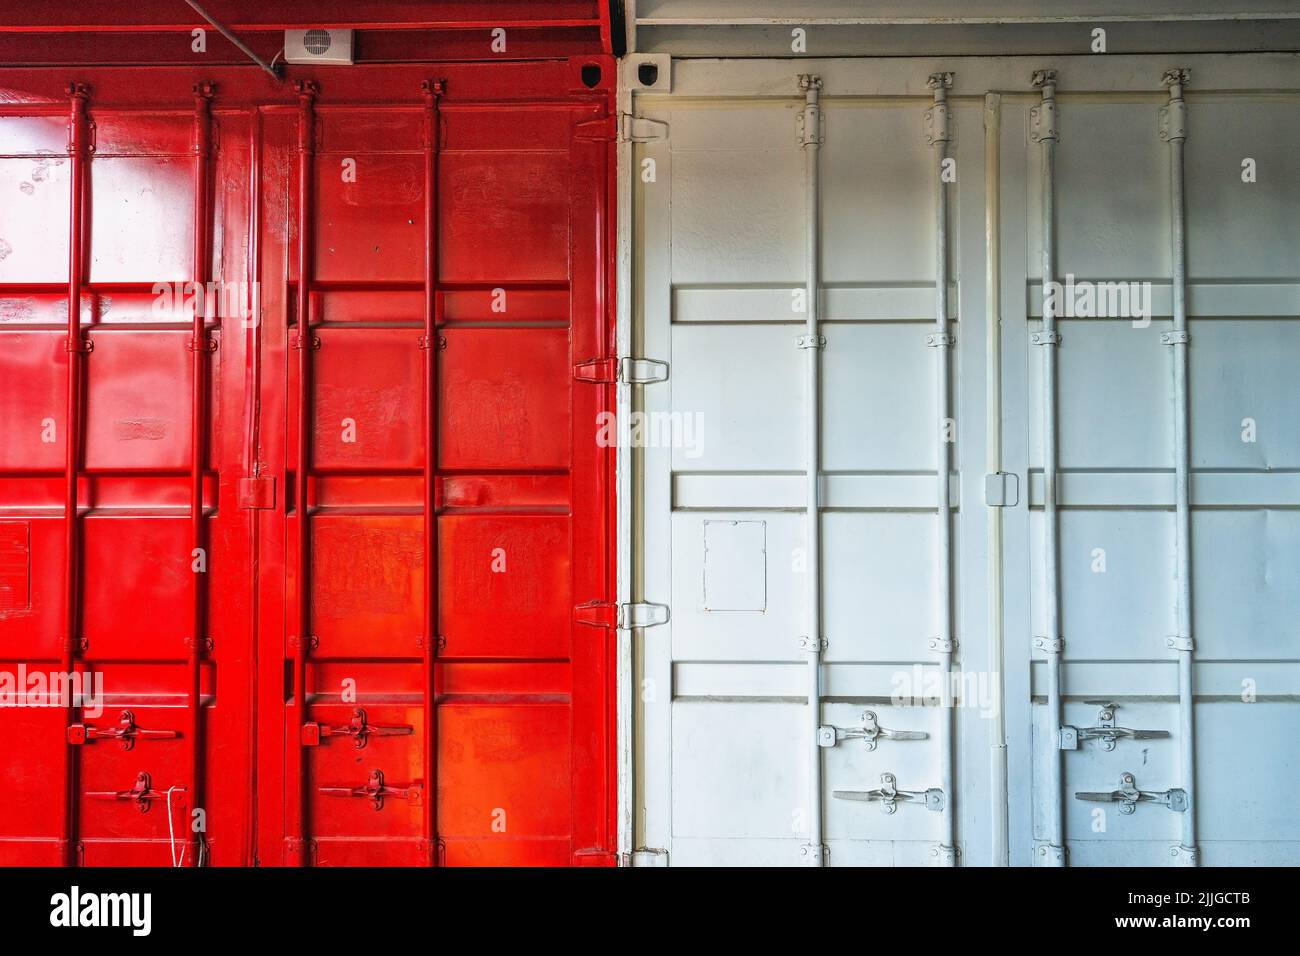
(720,767)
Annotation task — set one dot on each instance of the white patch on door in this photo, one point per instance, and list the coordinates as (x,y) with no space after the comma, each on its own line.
(735,565)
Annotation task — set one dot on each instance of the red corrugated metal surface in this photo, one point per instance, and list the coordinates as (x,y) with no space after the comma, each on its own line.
(443,294)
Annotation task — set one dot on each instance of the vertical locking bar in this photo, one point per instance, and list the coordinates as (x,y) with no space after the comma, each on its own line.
(77,347)
(199,354)
(941,340)
(1053,854)
(993,461)
(433,90)
(813,853)
(307,90)
(1176,135)
(252,320)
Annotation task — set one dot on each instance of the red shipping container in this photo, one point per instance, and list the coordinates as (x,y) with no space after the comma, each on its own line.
(405,266)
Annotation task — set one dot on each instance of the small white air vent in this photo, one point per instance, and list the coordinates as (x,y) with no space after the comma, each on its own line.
(318,46)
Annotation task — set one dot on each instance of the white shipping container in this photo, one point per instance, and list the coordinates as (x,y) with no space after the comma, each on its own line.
(785,255)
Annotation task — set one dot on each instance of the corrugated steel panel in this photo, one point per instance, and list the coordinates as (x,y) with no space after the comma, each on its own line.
(718,249)
(438,239)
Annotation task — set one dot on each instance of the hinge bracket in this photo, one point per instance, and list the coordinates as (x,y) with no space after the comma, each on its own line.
(638,129)
(630,371)
(1001,490)
(936,117)
(1185,855)
(257,492)
(642,371)
(649,856)
(812,854)
(1043,116)
(621,616)
(945,854)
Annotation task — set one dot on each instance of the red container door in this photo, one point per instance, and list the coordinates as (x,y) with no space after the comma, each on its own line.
(123,559)
(433,268)
(407,342)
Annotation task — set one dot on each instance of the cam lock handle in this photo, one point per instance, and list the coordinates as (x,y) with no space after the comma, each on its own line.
(870,733)
(890,796)
(375,790)
(1128,796)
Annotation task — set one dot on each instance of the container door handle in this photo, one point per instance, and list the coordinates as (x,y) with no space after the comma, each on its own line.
(358,728)
(141,793)
(375,790)
(127,732)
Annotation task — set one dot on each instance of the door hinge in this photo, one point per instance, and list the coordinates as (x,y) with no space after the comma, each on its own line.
(594,857)
(810,124)
(813,854)
(1043,116)
(936,117)
(638,129)
(629,371)
(1173,116)
(257,492)
(623,128)
(623,616)
(1001,490)
(649,856)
